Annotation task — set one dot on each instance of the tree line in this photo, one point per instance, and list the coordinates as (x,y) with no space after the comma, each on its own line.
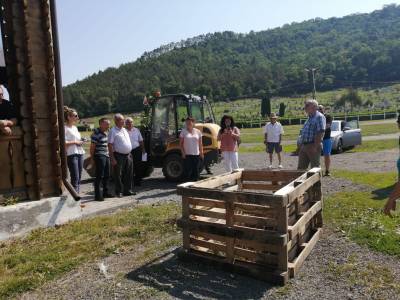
(355,50)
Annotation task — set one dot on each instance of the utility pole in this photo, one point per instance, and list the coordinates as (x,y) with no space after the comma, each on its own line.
(313,71)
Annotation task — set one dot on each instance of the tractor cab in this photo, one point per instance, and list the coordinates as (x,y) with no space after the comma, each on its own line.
(167,116)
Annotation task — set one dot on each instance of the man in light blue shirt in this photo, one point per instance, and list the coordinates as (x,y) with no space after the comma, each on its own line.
(311,136)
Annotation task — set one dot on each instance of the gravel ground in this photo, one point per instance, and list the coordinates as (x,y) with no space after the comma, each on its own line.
(326,274)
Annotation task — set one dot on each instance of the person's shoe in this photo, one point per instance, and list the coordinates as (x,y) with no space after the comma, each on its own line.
(129,193)
(108,195)
(270,167)
(280,167)
(98,199)
(327,173)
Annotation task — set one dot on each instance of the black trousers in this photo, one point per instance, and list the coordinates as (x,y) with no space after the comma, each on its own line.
(123,173)
(137,165)
(102,163)
(191,165)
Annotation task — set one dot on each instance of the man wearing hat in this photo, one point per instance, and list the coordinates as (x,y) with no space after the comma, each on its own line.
(273,136)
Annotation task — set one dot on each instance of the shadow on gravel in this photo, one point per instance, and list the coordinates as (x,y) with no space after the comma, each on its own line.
(383,193)
(185,280)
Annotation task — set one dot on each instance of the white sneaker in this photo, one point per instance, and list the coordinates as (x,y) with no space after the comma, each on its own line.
(270,167)
(280,167)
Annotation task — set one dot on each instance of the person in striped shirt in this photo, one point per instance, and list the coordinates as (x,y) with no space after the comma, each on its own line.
(101,159)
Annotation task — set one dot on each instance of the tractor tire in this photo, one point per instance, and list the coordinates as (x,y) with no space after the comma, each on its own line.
(173,168)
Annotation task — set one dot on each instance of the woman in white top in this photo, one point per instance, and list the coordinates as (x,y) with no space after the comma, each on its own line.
(73,146)
(192,149)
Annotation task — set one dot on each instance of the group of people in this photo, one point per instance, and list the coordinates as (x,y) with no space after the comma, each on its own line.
(121,148)
(192,147)
(316,131)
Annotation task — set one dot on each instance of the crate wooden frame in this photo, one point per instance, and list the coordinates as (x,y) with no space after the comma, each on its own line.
(262,223)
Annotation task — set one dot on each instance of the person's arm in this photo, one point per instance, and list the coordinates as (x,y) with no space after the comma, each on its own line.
(391,202)
(236,133)
(280,136)
(181,141)
(92,150)
(321,125)
(142,147)
(110,146)
(265,134)
(141,143)
(201,146)
(111,153)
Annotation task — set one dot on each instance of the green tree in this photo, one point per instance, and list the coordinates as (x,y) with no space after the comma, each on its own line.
(282,109)
(351,97)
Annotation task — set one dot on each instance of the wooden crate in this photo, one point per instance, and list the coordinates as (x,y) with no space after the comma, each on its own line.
(262,223)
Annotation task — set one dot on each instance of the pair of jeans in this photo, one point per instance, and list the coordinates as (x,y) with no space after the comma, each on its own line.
(102,163)
(75,165)
(191,165)
(123,173)
(137,165)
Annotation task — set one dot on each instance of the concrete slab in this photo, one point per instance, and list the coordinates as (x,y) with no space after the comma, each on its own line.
(19,219)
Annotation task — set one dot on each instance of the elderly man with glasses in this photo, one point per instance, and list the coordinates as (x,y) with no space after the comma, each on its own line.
(8,116)
(311,136)
(119,148)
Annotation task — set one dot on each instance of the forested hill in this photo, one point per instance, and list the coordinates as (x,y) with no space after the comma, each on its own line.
(351,50)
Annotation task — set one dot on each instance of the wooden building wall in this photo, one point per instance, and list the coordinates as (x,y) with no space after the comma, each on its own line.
(29,55)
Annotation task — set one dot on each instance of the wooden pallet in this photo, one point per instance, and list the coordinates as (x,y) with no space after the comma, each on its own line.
(260,223)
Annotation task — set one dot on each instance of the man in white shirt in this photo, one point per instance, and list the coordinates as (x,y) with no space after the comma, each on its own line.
(273,136)
(119,148)
(137,150)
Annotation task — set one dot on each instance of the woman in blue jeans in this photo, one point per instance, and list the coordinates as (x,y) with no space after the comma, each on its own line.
(73,147)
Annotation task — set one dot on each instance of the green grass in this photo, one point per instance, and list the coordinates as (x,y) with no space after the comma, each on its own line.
(46,254)
(374,277)
(375,146)
(256,135)
(261,148)
(378,129)
(376,180)
(359,214)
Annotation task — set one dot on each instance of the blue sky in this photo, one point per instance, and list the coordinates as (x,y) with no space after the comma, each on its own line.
(96,34)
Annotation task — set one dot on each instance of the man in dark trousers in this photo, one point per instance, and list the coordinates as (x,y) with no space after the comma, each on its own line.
(311,136)
(138,151)
(119,148)
(101,159)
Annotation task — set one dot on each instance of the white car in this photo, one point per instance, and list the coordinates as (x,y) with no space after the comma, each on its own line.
(344,135)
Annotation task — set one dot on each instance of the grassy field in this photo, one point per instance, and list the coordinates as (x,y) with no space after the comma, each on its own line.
(255,135)
(375,146)
(250,108)
(359,214)
(29,262)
